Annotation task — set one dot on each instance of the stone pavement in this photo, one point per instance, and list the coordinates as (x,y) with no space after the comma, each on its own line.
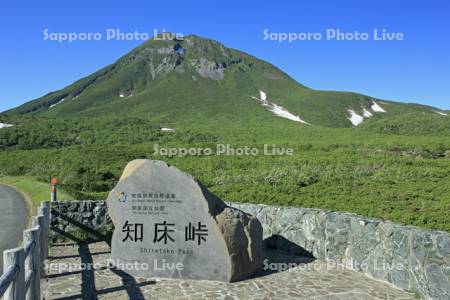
(310,280)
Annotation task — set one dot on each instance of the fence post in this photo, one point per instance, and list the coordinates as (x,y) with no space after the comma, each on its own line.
(44,210)
(40,221)
(32,263)
(47,205)
(16,290)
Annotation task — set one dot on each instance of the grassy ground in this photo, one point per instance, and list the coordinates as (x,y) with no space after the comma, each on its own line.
(398,177)
(34,190)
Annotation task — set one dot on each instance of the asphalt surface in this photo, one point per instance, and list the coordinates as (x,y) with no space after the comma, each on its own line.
(13,219)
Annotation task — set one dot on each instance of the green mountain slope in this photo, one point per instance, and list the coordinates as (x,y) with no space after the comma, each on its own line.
(395,165)
(412,124)
(199,80)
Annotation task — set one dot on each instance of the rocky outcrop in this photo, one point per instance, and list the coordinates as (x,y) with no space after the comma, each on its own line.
(209,69)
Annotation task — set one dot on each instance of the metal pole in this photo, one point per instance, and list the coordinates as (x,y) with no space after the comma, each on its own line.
(54,194)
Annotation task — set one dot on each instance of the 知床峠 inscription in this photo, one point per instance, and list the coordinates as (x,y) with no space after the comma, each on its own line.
(168,225)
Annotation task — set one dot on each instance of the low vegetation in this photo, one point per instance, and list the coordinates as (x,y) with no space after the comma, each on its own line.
(402,178)
(395,165)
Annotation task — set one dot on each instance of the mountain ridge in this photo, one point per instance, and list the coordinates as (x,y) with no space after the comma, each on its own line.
(172,79)
(394,165)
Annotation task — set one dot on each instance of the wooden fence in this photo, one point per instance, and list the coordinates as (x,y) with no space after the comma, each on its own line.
(23,266)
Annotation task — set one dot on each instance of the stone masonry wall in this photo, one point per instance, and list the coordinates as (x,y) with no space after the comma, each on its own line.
(80,221)
(406,256)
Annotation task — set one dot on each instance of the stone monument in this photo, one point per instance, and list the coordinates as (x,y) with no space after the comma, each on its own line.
(168,225)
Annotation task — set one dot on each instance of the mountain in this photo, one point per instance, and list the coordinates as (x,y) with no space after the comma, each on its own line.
(394,165)
(200,80)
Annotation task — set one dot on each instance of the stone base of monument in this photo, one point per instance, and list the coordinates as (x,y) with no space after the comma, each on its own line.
(168,225)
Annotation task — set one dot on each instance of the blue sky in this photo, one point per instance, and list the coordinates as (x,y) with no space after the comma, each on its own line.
(416,69)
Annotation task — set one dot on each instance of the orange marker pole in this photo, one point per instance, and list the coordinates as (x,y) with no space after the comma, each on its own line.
(54,191)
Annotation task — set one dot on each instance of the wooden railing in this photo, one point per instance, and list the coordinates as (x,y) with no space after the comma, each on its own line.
(23,266)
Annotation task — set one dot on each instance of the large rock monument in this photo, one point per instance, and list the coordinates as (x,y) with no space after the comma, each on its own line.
(168,225)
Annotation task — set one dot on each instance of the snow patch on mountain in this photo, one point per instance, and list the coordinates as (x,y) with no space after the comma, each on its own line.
(60,101)
(262,96)
(367,114)
(357,119)
(354,117)
(441,113)
(126,95)
(376,108)
(276,109)
(282,112)
(4,125)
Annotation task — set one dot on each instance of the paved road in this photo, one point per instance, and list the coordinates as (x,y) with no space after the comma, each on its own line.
(13,219)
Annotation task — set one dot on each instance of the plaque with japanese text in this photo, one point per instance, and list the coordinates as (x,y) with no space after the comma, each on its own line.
(168,225)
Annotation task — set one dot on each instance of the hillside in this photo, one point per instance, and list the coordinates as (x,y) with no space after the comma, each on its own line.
(200,80)
(197,94)
(413,124)
(403,178)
